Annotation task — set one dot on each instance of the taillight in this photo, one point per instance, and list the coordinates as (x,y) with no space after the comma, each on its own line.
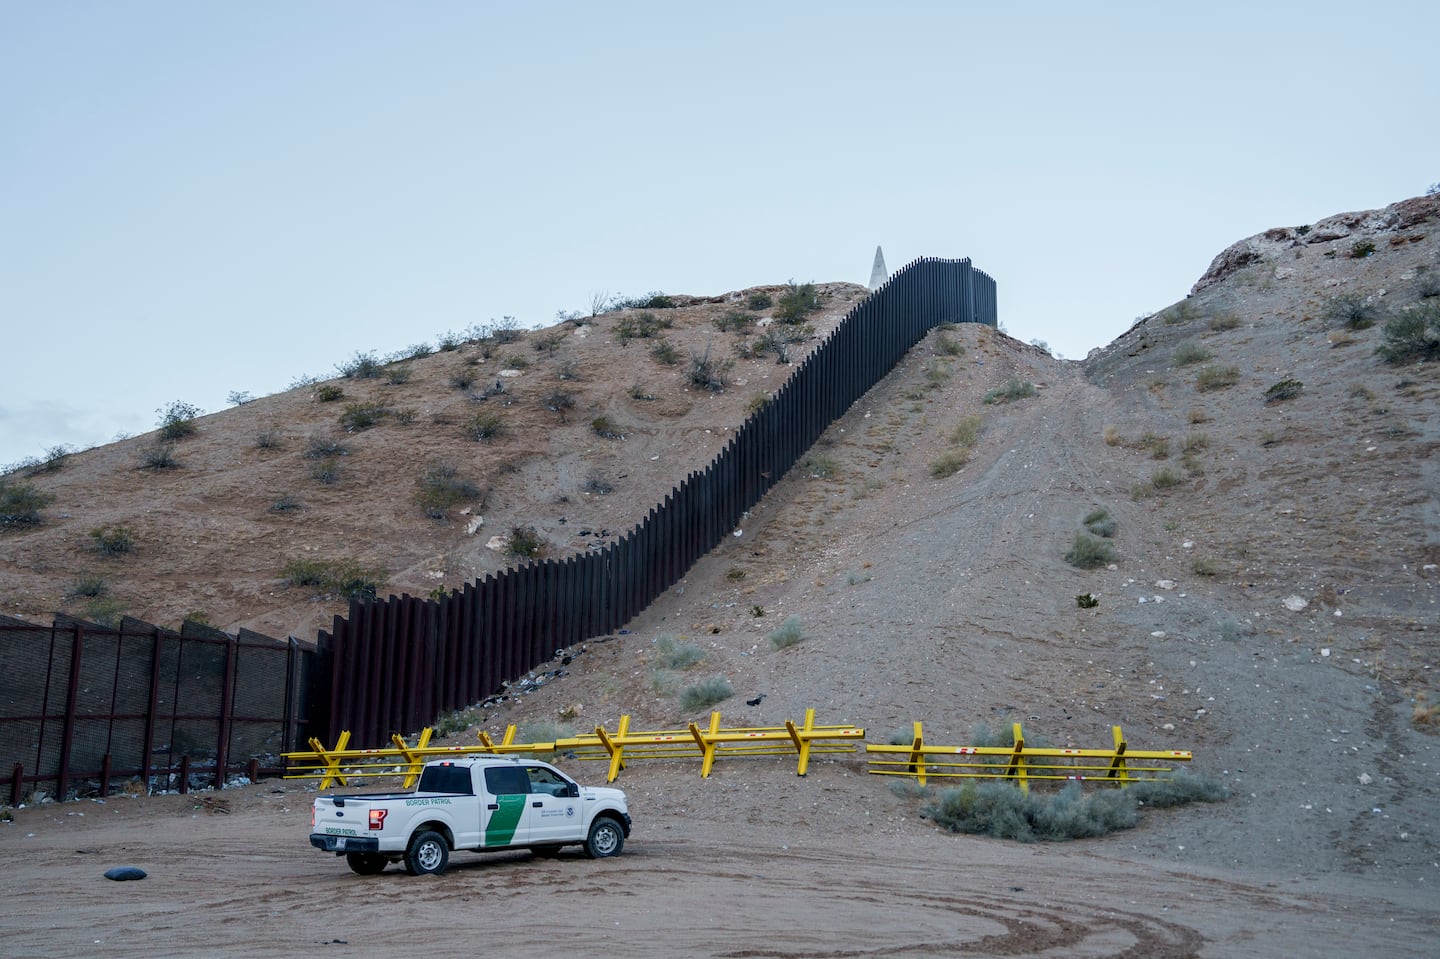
(312,817)
(377,818)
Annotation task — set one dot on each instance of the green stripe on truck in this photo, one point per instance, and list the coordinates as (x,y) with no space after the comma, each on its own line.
(501,827)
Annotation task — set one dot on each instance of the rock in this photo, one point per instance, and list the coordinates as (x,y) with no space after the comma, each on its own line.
(474,525)
(497,543)
(1296,603)
(124,873)
(1165,584)
(1365,780)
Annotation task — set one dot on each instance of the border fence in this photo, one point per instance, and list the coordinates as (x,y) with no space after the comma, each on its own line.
(82,702)
(397,663)
(83,705)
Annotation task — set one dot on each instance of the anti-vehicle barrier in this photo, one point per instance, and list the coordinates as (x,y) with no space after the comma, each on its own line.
(337,766)
(1021,763)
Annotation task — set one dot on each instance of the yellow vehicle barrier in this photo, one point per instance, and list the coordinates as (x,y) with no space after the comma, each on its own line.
(338,765)
(1020,763)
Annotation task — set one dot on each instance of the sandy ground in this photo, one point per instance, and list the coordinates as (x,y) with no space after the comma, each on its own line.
(777,881)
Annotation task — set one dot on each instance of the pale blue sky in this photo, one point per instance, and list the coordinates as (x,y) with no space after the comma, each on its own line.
(203,197)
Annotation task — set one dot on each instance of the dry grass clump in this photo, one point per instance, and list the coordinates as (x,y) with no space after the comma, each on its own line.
(705,694)
(1090,552)
(789,633)
(1217,378)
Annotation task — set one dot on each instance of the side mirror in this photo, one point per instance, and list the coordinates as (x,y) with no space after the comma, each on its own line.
(573,791)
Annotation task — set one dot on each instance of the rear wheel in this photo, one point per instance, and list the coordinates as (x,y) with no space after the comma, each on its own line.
(428,853)
(366,863)
(606,839)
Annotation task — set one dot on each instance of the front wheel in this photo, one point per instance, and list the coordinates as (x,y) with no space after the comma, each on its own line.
(366,863)
(428,853)
(606,839)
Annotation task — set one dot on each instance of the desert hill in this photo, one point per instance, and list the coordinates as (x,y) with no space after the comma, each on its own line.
(1268,483)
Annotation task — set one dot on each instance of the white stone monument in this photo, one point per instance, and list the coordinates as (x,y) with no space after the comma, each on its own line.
(878,273)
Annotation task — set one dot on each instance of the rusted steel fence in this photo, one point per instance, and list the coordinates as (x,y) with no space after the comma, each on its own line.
(395,664)
(85,708)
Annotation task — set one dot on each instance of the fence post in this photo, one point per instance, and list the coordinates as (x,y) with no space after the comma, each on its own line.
(222,736)
(17,784)
(67,732)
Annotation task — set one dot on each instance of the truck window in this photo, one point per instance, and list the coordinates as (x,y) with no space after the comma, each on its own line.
(506,781)
(447,779)
(545,781)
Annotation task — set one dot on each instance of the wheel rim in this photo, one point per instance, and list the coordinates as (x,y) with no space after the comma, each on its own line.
(428,855)
(605,841)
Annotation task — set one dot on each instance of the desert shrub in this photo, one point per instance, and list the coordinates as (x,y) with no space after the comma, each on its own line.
(1412,335)
(286,504)
(705,694)
(55,459)
(597,485)
(756,403)
(1361,249)
(447,342)
(160,456)
(640,326)
(796,302)
(524,543)
(559,402)
(1002,811)
(966,432)
(734,321)
(104,610)
(664,352)
(502,331)
(1286,389)
(441,488)
(87,586)
(639,391)
(946,346)
(21,503)
(1224,321)
(449,724)
(1194,442)
(1188,353)
(112,540)
(399,374)
(547,343)
(515,362)
(1216,378)
(1427,285)
(463,378)
(820,466)
(1015,389)
(567,368)
(1353,311)
(708,373)
(177,420)
(359,417)
(415,351)
(1204,566)
(268,440)
(1182,787)
(1086,601)
(789,633)
(238,397)
(344,576)
(949,463)
(1100,522)
(484,426)
(605,427)
(326,471)
(329,393)
(759,300)
(1113,436)
(1165,478)
(677,655)
(1090,552)
(1159,446)
(361,366)
(322,447)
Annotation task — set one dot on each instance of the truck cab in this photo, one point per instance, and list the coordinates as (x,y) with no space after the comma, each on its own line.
(477,803)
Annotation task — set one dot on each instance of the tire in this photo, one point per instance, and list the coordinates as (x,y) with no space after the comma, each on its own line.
(428,853)
(366,863)
(606,839)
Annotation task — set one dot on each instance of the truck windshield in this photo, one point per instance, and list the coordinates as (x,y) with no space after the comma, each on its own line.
(447,779)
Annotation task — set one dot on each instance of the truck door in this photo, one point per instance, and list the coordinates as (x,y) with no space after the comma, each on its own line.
(506,804)
(554,813)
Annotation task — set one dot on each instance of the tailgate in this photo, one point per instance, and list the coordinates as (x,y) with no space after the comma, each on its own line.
(344,825)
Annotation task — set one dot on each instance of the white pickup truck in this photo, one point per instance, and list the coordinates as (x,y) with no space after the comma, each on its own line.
(480,803)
